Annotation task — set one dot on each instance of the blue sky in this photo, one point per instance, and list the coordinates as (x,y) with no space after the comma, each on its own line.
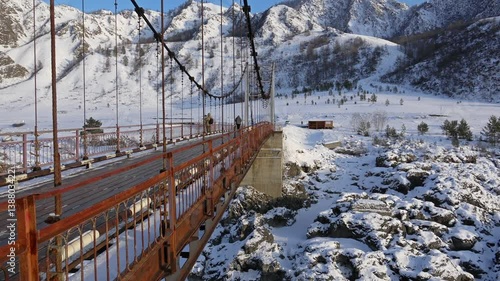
(92,5)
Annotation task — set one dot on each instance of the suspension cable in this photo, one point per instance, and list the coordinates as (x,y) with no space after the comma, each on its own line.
(203,69)
(157,93)
(116,78)
(158,37)
(246,10)
(182,105)
(171,99)
(139,50)
(234,60)
(35,70)
(191,113)
(200,105)
(242,91)
(221,108)
(221,69)
(85,147)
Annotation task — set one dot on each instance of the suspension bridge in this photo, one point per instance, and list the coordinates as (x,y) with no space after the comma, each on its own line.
(134,202)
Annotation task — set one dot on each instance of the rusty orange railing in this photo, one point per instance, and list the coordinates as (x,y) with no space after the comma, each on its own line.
(140,233)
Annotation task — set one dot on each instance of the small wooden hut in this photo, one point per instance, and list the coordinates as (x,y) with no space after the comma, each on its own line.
(320,124)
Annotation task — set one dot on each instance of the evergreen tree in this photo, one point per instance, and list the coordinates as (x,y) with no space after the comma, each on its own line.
(347,85)
(364,128)
(107,65)
(492,130)
(463,130)
(450,128)
(93,126)
(403,130)
(422,128)
(390,132)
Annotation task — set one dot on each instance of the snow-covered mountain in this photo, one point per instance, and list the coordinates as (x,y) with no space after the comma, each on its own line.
(313,43)
(463,61)
(379,18)
(389,18)
(438,14)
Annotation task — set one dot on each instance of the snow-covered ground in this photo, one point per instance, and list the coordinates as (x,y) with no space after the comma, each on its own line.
(416,208)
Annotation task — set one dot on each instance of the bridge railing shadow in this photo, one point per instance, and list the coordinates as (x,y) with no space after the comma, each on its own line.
(145,226)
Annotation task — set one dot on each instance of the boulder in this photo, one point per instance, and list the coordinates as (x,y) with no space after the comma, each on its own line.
(280,217)
(258,236)
(463,240)
(417,177)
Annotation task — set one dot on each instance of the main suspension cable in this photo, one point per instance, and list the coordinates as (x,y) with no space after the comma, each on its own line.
(116,78)
(85,137)
(157,93)
(139,50)
(246,10)
(221,68)
(140,11)
(35,70)
(234,59)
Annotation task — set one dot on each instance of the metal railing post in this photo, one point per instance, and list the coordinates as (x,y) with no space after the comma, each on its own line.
(77,145)
(117,139)
(37,151)
(26,221)
(85,145)
(25,153)
(157,133)
(209,185)
(172,191)
(172,205)
(141,136)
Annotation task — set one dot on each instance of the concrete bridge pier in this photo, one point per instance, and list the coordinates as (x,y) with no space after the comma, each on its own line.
(266,172)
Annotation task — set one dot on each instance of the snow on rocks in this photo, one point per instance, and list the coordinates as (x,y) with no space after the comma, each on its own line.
(404,211)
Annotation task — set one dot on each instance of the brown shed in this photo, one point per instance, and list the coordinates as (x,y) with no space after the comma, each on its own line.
(320,124)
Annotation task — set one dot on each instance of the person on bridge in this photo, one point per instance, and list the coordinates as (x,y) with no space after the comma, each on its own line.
(208,121)
(237,120)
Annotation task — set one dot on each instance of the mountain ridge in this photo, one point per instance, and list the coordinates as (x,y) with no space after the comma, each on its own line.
(295,35)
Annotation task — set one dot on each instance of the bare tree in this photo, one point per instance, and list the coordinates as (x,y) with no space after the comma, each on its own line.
(361,124)
(379,120)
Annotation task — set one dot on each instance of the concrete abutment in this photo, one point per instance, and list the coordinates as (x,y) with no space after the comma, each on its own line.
(266,172)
